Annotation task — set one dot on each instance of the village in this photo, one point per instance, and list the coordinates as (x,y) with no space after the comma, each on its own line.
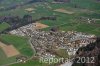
(42,41)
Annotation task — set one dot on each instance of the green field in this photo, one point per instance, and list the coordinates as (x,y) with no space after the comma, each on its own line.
(68,22)
(31,63)
(4,60)
(20,43)
(4,26)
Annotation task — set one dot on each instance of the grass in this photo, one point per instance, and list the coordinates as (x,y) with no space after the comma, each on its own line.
(3,26)
(6,3)
(31,63)
(68,22)
(91,15)
(85,27)
(4,60)
(62,53)
(20,43)
(98,21)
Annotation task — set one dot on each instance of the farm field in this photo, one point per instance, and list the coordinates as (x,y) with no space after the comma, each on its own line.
(4,59)
(31,63)
(4,26)
(20,43)
(9,50)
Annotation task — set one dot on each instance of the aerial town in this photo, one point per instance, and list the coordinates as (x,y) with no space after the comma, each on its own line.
(41,32)
(47,43)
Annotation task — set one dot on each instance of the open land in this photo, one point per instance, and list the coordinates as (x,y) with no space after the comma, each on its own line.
(9,50)
(63,11)
(40,26)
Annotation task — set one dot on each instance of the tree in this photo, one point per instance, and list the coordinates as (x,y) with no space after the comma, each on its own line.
(27,18)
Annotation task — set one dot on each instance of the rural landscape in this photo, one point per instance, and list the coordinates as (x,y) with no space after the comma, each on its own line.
(31,30)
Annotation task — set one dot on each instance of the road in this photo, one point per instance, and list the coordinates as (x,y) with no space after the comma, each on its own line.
(67,64)
(30,39)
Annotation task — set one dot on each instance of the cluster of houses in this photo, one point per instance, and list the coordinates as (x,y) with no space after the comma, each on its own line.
(24,30)
(60,40)
(45,40)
